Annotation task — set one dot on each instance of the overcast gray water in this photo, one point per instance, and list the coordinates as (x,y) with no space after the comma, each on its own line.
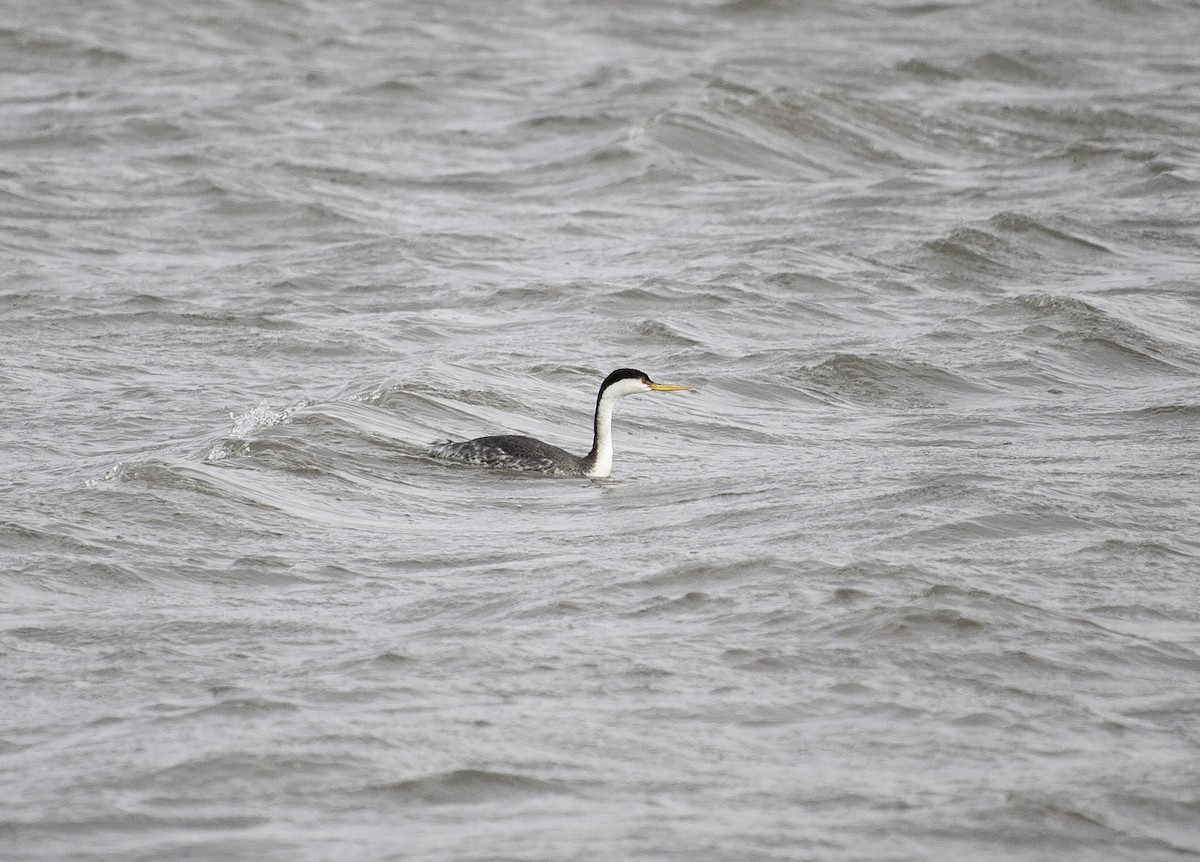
(914,574)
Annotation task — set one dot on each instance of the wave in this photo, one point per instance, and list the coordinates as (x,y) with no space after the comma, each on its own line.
(464,787)
(793,135)
(1097,338)
(1186,414)
(894,382)
(994,252)
(1021,67)
(1027,343)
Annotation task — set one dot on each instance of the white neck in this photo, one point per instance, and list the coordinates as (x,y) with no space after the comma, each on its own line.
(600,459)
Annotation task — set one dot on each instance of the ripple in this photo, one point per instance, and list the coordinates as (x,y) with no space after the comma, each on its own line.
(242,707)
(464,787)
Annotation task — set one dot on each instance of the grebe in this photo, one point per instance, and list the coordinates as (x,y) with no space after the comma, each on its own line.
(515,452)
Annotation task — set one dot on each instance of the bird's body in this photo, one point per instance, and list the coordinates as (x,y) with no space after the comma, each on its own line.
(515,452)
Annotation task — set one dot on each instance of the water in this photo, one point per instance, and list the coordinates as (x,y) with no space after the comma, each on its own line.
(912,576)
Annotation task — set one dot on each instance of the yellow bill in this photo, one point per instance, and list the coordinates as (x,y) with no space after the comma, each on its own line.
(666,387)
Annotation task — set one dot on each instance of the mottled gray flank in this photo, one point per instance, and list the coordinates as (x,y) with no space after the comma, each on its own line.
(513,452)
(915,574)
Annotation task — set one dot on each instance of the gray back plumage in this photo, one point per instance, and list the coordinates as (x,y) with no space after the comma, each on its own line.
(513,452)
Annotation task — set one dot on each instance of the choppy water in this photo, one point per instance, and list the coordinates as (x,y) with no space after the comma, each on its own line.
(913,576)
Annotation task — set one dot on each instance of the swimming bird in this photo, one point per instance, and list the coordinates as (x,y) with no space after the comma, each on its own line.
(515,452)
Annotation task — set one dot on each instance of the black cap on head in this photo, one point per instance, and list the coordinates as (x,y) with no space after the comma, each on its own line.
(622,374)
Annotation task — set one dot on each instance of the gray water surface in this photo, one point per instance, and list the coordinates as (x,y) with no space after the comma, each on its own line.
(914,574)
